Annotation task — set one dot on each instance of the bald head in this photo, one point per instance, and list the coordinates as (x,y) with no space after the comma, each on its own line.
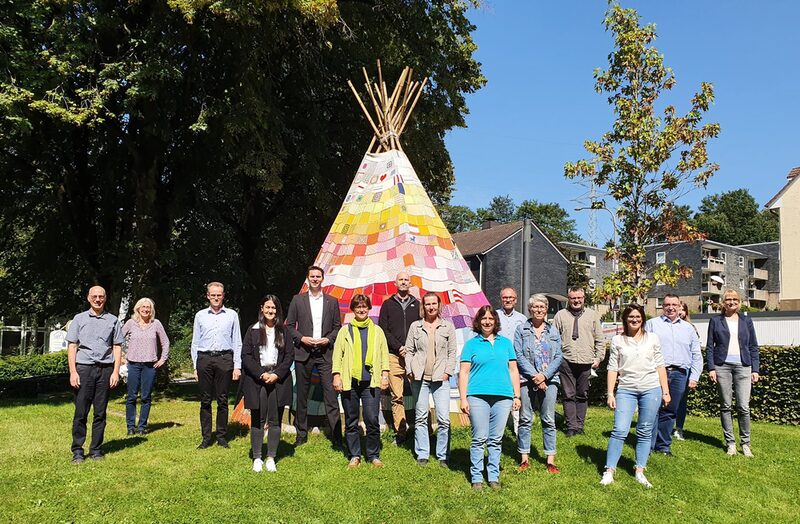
(403,283)
(508,298)
(97,299)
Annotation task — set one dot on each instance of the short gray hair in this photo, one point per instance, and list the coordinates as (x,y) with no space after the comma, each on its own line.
(538,297)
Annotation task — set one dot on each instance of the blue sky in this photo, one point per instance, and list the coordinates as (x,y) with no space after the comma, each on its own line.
(540,105)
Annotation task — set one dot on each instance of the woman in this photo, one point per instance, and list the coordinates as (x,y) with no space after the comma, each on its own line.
(144,333)
(733,364)
(267,356)
(680,416)
(430,360)
(635,358)
(537,345)
(488,382)
(360,372)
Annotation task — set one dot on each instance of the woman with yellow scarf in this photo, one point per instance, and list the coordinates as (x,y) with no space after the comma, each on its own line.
(360,373)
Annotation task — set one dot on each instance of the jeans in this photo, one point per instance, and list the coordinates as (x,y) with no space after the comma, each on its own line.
(627,402)
(488,415)
(441,402)
(575,381)
(370,403)
(140,374)
(680,415)
(92,393)
(738,377)
(678,381)
(545,401)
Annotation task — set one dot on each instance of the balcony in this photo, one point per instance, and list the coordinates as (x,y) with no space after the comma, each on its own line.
(710,288)
(759,274)
(713,265)
(757,294)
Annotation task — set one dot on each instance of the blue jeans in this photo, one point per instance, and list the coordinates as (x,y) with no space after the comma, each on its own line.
(441,403)
(369,400)
(545,401)
(680,416)
(678,381)
(487,415)
(627,402)
(140,374)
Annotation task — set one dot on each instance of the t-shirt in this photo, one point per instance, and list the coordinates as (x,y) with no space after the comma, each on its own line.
(488,372)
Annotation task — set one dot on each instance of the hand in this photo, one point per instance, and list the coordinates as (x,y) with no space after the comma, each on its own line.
(692,384)
(264,377)
(755,377)
(114,380)
(402,351)
(410,377)
(384,383)
(308,341)
(446,378)
(515,405)
(538,379)
(323,341)
(158,364)
(236,374)
(665,399)
(542,386)
(337,382)
(195,374)
(74,380)
(612,401)
(596,364)
(272,378)
(464,406)
(712,376)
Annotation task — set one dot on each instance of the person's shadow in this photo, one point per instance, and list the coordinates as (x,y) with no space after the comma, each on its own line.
(597,456)
(152,428)
(113,446)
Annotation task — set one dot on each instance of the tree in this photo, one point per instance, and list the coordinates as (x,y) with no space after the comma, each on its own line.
(154,146)
(501,209)
(734,218)
(632,165)
(458,218)
(551,218)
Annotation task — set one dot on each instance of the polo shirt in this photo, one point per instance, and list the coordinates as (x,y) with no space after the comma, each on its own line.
(488,372)
(96,336)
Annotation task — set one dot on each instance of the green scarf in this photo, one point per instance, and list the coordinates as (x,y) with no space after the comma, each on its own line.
(354,333)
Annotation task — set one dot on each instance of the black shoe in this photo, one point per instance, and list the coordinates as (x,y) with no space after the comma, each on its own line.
(569,433)
(221,442)
(400,438)
(77,459)
(131,432)
(97,456)
(299,441)
(141,432)
(580,432)
(422,462)
(205,444)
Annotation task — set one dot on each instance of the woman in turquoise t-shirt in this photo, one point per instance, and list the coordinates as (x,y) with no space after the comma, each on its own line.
(488,381)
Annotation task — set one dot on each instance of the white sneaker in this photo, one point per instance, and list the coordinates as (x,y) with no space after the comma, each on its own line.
(608,477)
(258,465)
(641,479)
(678,435)
(746,451)
(731,449)
(271,465)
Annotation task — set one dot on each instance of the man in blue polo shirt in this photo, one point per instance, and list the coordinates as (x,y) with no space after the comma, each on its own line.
(680,346)
(94,354)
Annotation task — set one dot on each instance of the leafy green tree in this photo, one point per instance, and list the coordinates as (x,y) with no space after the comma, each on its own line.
(551,218)
(458,218)
(501,208)
(734,218)
(645,162)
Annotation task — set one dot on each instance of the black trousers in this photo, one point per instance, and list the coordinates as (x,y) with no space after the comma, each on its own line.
(214,375)
(575,382)
(267,412)
(93,392)
(303,375)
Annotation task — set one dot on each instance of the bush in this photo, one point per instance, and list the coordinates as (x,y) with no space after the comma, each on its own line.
(774,398)
(26,366)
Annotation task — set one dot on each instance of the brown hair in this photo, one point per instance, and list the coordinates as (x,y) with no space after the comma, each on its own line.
(630,308)
(476,322)
(317,268)
(422,303)
(358,300)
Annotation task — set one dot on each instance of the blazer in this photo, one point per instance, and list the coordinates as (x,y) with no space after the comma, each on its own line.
(251,365)
(719,336)
(299,320)
(444,360)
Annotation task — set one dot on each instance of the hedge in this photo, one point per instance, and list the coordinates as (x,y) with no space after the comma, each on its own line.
(27,366)
(774,397)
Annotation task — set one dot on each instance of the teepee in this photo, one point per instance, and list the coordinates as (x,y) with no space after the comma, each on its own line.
(388,223)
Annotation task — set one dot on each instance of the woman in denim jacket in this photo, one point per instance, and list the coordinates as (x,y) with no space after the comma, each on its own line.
(537,344)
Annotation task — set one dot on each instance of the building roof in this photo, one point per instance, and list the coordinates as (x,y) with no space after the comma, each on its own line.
(702,243)
(481,241)
(578,246)
(792,177)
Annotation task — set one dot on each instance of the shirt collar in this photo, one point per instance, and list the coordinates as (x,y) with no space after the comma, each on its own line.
(101,315)
(665,318)
(223,309)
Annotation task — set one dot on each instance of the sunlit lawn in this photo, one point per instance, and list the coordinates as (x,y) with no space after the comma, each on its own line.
(163,478)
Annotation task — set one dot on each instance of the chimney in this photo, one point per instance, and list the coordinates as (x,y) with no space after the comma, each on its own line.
(489,223)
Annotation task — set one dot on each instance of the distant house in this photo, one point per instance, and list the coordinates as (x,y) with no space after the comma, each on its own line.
(592,258)
(787,205)
(517,255)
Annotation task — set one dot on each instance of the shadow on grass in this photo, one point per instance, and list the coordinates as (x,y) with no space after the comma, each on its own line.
(714,442)
(597,456)
(459,461)
(112,446)
(152,428)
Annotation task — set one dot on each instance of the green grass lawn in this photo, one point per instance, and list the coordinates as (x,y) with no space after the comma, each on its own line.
(163,478)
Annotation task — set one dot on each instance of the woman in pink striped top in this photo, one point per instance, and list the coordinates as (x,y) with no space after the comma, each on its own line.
(144,334)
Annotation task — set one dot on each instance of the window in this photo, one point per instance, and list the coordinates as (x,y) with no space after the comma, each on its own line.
(740,260)
(592,260)
(659,302)
(723,257)
(741,283)
(661,257)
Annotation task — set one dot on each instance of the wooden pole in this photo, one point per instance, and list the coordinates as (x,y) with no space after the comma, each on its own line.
(363,107)
(411,109)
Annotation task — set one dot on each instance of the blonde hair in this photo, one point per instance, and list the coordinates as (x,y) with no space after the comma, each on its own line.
(731,292)
(143,302)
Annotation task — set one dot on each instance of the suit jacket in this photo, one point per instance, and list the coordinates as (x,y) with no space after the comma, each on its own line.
(719,336)
(299,320)
(251,365)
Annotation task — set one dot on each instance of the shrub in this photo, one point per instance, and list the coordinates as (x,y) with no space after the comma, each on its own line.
(26,366)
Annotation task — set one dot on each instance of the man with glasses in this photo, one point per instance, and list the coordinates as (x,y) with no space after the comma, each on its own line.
(510,318)
(680,346)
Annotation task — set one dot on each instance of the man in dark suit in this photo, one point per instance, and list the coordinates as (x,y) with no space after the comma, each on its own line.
(316,319)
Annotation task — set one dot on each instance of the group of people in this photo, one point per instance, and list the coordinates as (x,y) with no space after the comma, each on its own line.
(513,363)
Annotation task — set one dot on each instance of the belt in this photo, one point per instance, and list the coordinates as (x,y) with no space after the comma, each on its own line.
(676,368)
(98,364)
(217,353)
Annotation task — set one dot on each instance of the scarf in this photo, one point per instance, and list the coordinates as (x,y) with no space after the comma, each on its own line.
(358,364)
(577,315)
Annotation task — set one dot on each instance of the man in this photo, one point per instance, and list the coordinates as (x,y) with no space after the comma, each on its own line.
(217,359)
(397,314)
(680,346)
(315,318)
(510,318)
(584,348)
(94,355)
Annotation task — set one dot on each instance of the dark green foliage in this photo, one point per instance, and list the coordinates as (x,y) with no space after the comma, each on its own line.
(774,398)
(734,218)
(26,366)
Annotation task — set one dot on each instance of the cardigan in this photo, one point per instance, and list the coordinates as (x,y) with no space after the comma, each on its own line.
(342,362)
